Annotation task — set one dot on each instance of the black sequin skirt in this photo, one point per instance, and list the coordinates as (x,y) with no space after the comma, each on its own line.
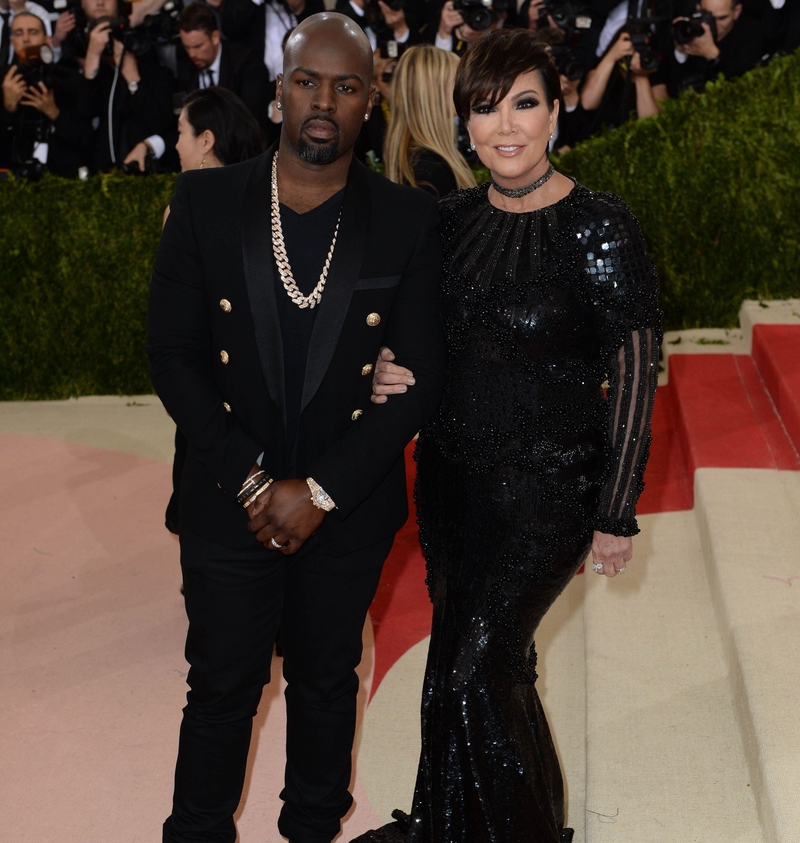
(500,547)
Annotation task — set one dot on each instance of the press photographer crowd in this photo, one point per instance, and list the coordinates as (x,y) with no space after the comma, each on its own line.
(92,85)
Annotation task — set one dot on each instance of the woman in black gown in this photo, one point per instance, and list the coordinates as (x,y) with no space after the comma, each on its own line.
(528,465)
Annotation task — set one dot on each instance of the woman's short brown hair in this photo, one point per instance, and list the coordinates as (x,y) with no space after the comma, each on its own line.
(492,64)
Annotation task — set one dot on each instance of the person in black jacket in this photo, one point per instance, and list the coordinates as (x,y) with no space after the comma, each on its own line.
(204,60)
(127,96)
(39,123)
(732,47)
(294,482)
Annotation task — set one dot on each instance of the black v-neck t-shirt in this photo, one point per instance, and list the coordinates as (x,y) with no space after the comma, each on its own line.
(308,239)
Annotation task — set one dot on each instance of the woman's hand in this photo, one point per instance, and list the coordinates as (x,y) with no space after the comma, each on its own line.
(610,554)
(389,379)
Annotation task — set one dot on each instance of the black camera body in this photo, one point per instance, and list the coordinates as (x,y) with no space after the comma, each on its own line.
(480,14)
(572,62)
(567,15)
(160,28)
(687,29)
(644,42)
(35,65)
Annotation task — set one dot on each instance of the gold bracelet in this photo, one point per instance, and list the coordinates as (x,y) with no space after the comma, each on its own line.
(257,492)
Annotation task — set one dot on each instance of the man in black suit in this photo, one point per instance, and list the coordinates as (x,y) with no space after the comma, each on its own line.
(273,398)
(205,60)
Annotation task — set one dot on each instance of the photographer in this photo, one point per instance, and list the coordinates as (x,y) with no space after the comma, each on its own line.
(40,123)
(578,21)
(205,61)
(382,22)
(623,83)
(462,21)
(716,39)
(125,92)
(572,62)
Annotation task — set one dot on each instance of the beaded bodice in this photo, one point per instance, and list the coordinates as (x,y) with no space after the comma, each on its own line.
(541,309)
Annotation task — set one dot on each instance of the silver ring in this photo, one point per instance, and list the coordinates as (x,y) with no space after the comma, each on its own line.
(621,570)
(275,544)
(597,567)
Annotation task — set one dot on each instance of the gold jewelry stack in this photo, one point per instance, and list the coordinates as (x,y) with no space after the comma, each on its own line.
(282,259)
(253,487)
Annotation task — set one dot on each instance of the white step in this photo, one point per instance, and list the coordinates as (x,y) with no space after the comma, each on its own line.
(751,538)
(665,760)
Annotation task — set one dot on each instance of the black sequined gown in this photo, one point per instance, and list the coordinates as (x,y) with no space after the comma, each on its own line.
(525,458)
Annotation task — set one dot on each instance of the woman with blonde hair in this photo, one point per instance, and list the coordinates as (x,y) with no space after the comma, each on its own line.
(420,147)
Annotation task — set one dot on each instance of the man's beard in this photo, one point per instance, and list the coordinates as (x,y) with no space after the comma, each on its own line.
(318,153)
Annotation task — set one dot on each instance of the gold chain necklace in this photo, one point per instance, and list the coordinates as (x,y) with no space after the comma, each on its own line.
(282,259)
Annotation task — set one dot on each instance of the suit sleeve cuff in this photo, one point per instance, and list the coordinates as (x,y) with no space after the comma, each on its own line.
(157,144)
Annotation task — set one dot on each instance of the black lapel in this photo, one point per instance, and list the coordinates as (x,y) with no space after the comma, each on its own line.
(259,273)
(348,255)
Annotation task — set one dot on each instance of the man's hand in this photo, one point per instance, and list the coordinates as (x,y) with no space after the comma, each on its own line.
(703,46)
(138,154)
(64,25)
(395,19)
(389,378)
(14,87)
(284,512)
(98,39)
(449,20)
(636,66)
(42,99)
(611,552)
(622,47)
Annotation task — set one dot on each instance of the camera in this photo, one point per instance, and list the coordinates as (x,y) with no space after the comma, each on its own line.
(687,29)
(566,15)
(571,62)
(157,29)
(36,65)
(643,40)
(480,14)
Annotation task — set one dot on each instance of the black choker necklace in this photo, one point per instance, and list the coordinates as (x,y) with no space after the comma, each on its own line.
(515,193)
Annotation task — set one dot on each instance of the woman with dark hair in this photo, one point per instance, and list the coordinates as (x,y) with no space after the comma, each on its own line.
(215,129)
(528,466)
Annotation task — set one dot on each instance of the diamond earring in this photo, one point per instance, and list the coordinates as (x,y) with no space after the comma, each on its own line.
(366,117)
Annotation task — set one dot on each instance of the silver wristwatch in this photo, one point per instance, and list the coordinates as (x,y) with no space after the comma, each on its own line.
(319,497)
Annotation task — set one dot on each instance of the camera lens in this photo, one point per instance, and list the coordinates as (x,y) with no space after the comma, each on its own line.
(480,19)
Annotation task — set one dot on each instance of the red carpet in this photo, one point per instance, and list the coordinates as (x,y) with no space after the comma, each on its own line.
(717,411)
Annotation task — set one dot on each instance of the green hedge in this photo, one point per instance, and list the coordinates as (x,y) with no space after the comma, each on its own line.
(75,262)
(714,180)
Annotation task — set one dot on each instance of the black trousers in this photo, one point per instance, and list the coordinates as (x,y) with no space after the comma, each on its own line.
(236,600)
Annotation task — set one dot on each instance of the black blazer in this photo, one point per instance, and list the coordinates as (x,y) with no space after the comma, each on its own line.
(241,70)
(216,251)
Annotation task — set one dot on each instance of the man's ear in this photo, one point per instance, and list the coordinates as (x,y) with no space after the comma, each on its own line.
(215,38)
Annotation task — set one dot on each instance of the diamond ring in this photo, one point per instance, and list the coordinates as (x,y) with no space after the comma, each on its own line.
(275,544)
(597,567)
